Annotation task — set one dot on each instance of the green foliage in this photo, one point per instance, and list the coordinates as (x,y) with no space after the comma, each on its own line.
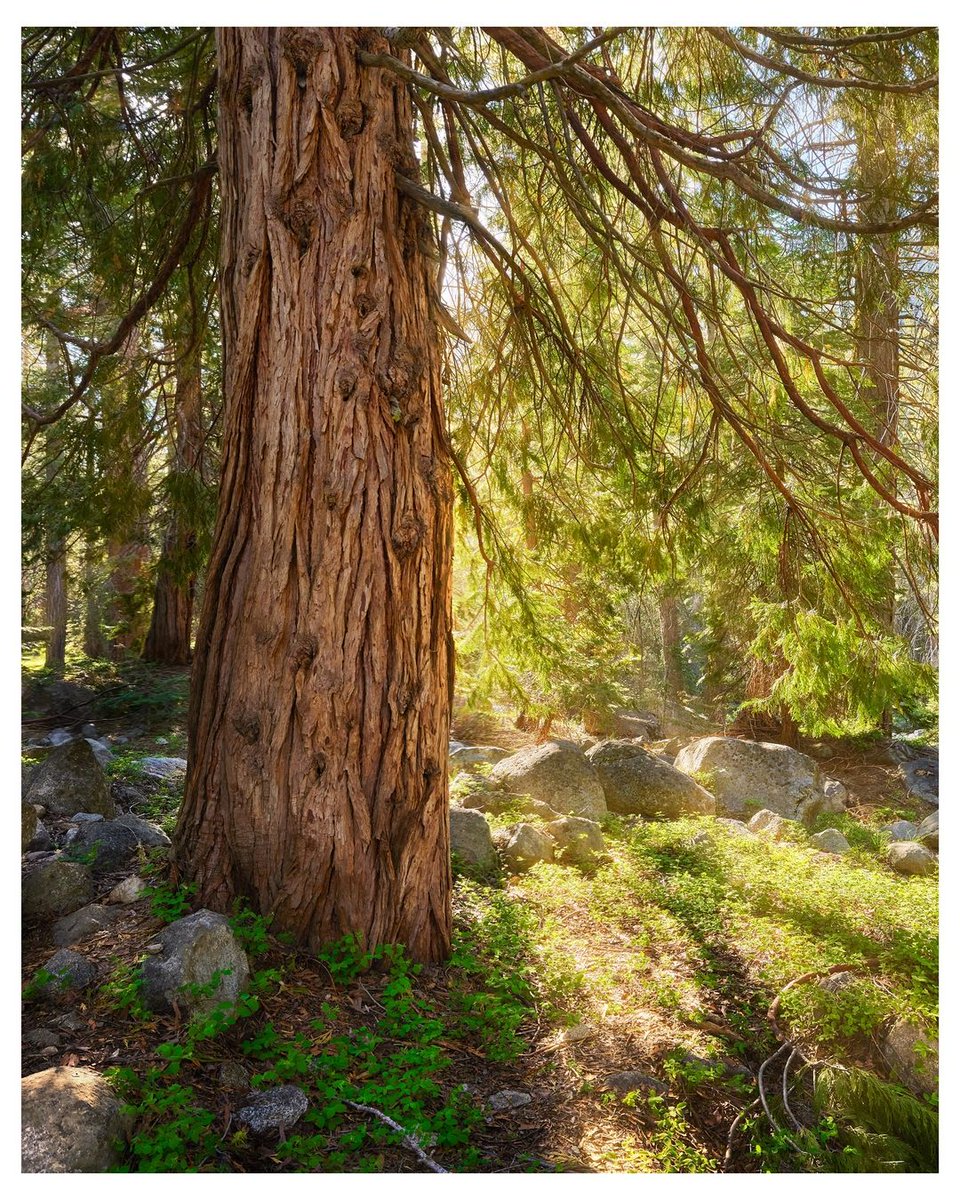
(837,680)
(170,903)
(880,1126)
(495,992)
(35,987)
(671,1138)
(347,958)
(122,991)
(173,1132)
(251,929)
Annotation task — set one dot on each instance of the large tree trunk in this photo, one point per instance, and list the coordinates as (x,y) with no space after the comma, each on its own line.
(168,639)
(319,720)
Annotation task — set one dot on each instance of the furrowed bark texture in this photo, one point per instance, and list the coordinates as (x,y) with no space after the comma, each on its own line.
(319,721)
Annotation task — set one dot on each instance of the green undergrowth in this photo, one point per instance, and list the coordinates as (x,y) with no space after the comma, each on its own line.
(702,933)
(725,924)
(160,799)
(397,1060)
(138,691)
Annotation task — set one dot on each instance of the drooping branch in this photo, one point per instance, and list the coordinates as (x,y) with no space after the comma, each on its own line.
(199,199)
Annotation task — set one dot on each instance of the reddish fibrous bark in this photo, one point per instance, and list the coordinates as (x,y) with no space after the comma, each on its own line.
(320,706)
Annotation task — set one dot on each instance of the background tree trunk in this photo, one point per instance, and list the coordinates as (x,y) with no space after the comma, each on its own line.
(94,643)
(673,688)
(319,721)
(55,605)
(55,548)
(168,639)
(878,310)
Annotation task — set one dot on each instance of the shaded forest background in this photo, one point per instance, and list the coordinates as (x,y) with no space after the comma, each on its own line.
(653,507)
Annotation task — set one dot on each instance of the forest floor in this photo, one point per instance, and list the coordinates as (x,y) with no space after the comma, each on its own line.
(662,962)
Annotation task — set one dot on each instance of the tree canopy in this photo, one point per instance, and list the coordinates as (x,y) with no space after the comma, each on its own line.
(687,278)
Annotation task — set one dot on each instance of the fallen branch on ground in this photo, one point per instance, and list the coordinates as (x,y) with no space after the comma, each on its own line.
(408,1139)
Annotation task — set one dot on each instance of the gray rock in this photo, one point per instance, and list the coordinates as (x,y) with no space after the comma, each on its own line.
(473,791)
(470,838)
(831,840)
(41,839)
(577,840)
(912,1057)
(127,891)
(89,730)
(737,828)
(507,1099)
(234,1075)
(525,846)
(910,858)
(163,768)
(469,756)
(922,777)
(56,887)
(273,1109)
(76,926)
(58,737)
(101,751)
(901,831)
(836,790)
(71,780)
(71,1122)
(777,777)
(815,806)
(625,1082)
(928,832)
(147,833)
(840,981)
(770,823)
(72,1022)
(623,723)
(59,698)
(196,950)
(557,773)
(107,845)
(70,971)
(83,818)
(41,1038)
(636,782)
(577,1033)
(27,772)
(28,825)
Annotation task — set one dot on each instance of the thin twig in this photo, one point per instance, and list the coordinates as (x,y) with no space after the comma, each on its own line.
(728,1157)
(794,1053)
(408,1139)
